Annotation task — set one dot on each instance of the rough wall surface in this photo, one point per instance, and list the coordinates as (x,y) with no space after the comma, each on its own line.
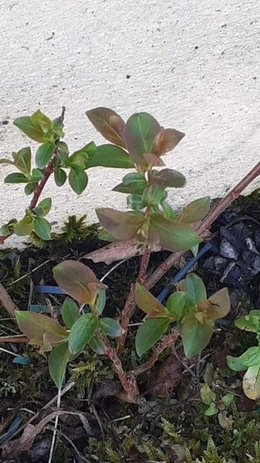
(193,65)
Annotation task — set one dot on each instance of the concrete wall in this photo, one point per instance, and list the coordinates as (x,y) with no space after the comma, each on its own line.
(193,65)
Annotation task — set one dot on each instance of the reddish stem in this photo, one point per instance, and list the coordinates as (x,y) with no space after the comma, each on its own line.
(128,383)
(205,224)
(167,341)
(19,338)
(129,306)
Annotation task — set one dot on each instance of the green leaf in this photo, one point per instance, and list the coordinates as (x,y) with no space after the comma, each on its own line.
(132,183)
(79,159)
(196,210)
(149,333)
(195,335)
(44,154)
(169,178)
(60,176)
(166,140)
(43,207)
(82,332)
(6,161)
(227,399)
(37,175)
(195,288)
(135,202)
(110,327)
(26,125)
(110,156)
(57,362)
(30,188)
(69,312)
(100,301)
(207,395)
(168,211)
(25,226)
(147,302)
(249,322)
(41,121)
(171,235)
(250,357)
(140,132)
(78,180)
(108,123)
(235,364)
(211,410)
(77,280)
(42,228)
(57,129)
(16,177)
(35,326)
(22,160)
(121,225)
(97,345)
(153,195)
(176,304)
(251,383)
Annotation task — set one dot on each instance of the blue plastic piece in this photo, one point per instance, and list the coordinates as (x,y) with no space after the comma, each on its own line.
(21,360)
(11,431)
(41,289)
(181,274)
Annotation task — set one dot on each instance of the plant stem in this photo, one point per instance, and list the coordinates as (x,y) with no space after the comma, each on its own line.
(167,341)
(204,226)
(129,306)
(128,383)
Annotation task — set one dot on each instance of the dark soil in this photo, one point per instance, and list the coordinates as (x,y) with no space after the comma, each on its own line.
(170,426)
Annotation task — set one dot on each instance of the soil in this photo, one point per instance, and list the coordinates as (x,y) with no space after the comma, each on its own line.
(170,424)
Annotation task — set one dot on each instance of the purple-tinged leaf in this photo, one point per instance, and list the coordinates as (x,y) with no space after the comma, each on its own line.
(108,123)
(196,210)
(166,140)
(77,280)
(140,132)
(121,225)
(169,178)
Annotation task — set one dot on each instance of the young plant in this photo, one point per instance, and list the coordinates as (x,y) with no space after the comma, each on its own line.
(249,361)
(217,404)
(52,158)
(150,221)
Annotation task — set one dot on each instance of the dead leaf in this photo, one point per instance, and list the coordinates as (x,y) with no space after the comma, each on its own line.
(166,378)
(118,251)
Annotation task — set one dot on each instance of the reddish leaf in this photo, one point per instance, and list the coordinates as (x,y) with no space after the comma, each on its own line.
(140,132)
(77,280)
(153,160)
(165,378)
(166,140)
(121,225)
(147,302)
(108,123)
(171,235)
(169,178)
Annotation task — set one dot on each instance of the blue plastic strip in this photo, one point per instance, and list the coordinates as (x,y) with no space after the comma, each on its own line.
(181,274)
(21,360)
(41,289)
(11,431)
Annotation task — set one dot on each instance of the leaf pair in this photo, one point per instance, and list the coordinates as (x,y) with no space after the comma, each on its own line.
(141,135)
(189,307)
(39,127)
(34,221)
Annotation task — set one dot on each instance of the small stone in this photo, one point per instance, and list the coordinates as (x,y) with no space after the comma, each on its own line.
(227,250)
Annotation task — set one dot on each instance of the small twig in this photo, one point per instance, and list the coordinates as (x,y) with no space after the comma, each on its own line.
(112,269)
(29,273)
(129,307)
(55,427)
(20,338)
(167,341)
(205,225)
